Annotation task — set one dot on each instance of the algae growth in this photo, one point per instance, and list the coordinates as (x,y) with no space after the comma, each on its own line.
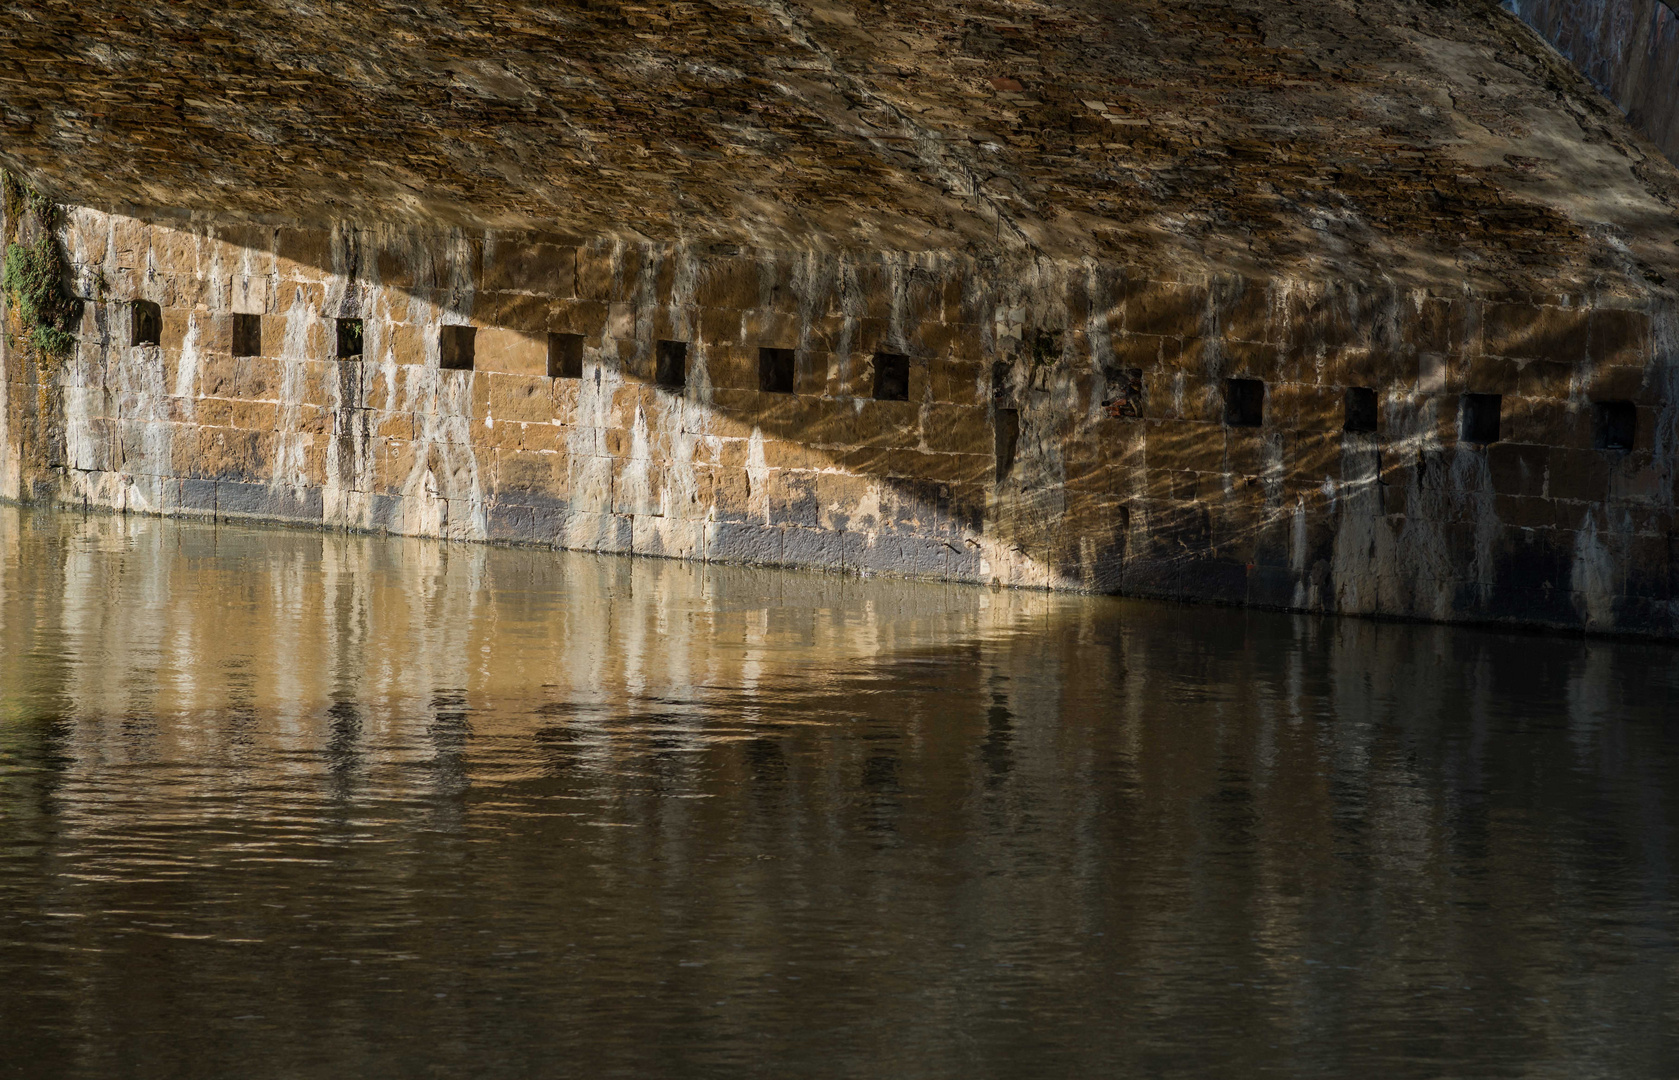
(34,272)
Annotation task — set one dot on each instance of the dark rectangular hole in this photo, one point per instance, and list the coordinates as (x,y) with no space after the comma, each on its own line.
(565,356)
(1478,418)
(1001,380)
(776,371)
(456,347)
(671,365)
(1614,424)
(1008,438)
(1361,409)
(247,335)
(1244,402)
(146,323)
(349,339)
(891,377)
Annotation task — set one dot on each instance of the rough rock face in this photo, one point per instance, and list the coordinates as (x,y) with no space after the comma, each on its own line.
(1629,49)
(1324,306)
(1430,141)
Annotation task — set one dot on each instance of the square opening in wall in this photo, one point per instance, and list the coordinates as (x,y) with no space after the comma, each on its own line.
(1614,424)
(247,335)
(1244,402)
(776,371)
(456,347)
(1007,435)
(145,323)
(1361,409)
(891,377)
(671,365)
(1002,381)
(565,356)
(1478,418)
(349,339)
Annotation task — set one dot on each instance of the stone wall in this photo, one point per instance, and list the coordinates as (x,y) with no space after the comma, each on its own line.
(1065,425)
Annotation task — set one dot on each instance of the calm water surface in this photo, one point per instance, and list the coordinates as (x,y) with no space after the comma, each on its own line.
(285,804)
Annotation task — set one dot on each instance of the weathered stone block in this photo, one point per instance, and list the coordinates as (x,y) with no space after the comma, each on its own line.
(821,548)
(1536,333)
(527,313)
(727,541)
(956,429)
(197,496)
(792,499)
(902,555)
(1163,308)
(1620,336)
(511,351)
(267,501)
(516,265)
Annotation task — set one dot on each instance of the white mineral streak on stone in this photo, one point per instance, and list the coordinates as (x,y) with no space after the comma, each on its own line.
(186,373)
(1473,480)
(672,486)
(1593,576)
(758,475)
(342,503)
(82,383)
(1297,553)
(442,492)
(1100,336)
(1423,559)
(1363,558)
(640,495)
(291,444)
(589,484)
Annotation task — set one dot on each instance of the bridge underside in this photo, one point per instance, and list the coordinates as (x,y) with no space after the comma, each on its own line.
(1425,141)
(1329,307)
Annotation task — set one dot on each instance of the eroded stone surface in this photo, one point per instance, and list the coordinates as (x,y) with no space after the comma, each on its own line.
(1430,141)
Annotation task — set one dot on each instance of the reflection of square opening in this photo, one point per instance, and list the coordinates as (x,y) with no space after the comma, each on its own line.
(146,323)
(671,370)
(349,339)
(456,347)
(1361,409)
(1244,402)
(891,377)
(776,371)
(247,335)
(1614,424)
(565,356)
(1478,420)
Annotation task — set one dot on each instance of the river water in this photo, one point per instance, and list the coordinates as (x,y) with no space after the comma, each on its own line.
(280,803)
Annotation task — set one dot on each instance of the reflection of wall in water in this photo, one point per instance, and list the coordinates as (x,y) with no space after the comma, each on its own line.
(1320,802)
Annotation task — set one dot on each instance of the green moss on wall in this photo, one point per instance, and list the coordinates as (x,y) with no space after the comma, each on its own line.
(34,272)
